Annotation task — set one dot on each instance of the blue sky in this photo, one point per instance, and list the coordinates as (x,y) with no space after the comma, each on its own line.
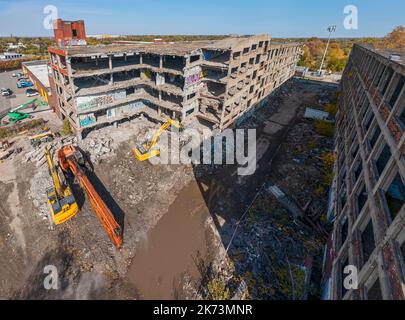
(280,18)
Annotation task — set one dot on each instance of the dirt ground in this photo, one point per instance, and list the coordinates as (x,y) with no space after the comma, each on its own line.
(178,220)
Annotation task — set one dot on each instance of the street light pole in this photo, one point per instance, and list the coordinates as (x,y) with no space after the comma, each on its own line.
(331,29)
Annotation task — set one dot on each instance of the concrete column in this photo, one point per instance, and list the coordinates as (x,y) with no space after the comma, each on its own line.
(79,136)
(110,62)
(125,57)
(115,124)
(140,59)
(161,62)
(160,95)
(111,79)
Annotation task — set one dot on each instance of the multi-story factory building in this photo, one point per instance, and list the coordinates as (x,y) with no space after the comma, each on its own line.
(209,82)
(369,230)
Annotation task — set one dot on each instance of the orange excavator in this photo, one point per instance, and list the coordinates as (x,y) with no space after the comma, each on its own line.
(72,161)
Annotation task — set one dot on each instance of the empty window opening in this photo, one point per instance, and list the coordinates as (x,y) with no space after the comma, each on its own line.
(402,117)
(361,199)
(194,58)
(74,33)
(378,79)
(89,63)
(403,251)
(368,122)
(236,55)
(126,76)
(375,137)
(367,242)
(151,59)
(191,96)
(177,81)
(125,60)
(344,230)
(234,72)
(395,196)
(355,149)
(343,265)
(172,98)
(216,55)
(374,293)
(388,80)
(397,91)
(358,171)
(383,159)
(246,50)
(174,62)
(343,197)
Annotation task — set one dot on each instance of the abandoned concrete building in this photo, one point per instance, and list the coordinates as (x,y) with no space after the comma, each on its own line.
(369,228)
(207,82)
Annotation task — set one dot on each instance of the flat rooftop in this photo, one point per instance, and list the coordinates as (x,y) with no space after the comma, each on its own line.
(40,71)
(169,48)
(388,53)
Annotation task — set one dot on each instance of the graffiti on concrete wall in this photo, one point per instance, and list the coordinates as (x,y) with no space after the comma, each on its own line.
(89,102)
(125,109)
(87,120)
(193,75)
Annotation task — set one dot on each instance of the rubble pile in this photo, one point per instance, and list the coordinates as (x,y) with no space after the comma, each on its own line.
(97,148)
(37,155)
(37,192)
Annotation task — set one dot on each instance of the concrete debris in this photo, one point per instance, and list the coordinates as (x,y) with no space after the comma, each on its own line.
(97,148)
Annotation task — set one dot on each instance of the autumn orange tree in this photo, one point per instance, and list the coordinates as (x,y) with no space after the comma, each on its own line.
(395,39)
(314,49)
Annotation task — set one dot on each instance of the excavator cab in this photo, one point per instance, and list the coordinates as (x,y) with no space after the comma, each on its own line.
(61,201)
(61,209)
(146,151)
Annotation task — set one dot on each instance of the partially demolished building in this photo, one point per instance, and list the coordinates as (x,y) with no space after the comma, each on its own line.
(369,231)
(210,82)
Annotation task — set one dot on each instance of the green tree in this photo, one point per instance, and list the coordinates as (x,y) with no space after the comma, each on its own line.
(67,129)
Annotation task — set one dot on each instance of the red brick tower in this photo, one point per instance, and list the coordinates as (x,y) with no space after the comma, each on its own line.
(69,33)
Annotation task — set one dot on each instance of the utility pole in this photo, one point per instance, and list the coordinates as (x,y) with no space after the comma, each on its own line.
(331,29)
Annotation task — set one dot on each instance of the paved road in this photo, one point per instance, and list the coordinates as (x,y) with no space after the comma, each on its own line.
(18,97)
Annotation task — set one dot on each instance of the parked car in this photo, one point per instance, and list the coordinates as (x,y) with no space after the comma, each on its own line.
(31,93)
(6,92)
(24,84)
(23,78)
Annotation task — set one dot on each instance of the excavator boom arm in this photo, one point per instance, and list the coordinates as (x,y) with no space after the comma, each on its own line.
(54,174)
(67,161)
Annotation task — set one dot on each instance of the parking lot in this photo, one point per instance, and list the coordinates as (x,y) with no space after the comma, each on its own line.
(18,97)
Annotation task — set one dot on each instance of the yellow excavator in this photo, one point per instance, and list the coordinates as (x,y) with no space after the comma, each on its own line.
(147,151)
(61,201)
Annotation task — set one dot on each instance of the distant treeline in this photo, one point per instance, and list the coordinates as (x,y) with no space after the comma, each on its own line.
(339,49)
(313,49)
